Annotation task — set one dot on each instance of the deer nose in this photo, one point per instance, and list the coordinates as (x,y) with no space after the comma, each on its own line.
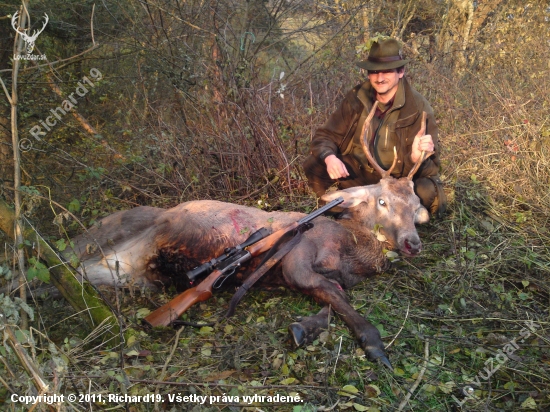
(412,246)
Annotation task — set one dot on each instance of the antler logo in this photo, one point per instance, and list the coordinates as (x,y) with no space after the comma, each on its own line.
(30,40)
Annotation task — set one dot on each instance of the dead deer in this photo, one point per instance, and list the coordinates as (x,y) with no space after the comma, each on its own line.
(152,246)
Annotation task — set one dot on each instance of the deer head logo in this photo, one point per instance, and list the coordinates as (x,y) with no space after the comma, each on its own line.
(28,39)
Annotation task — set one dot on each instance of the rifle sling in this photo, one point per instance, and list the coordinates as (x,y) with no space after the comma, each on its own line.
(271,258)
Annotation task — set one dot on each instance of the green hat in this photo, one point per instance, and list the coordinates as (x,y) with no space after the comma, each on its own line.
(384,55)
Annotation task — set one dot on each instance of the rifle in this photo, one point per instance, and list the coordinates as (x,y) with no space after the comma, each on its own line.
(225,265)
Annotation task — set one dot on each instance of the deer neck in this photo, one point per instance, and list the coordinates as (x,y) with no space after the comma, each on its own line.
(368,250)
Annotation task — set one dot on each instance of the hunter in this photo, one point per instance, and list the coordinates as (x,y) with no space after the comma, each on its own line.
(337,155)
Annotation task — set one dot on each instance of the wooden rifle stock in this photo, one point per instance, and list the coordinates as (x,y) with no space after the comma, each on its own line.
(169,312)
(172,310)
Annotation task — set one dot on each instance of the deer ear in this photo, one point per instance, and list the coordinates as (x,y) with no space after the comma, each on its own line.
(352,196)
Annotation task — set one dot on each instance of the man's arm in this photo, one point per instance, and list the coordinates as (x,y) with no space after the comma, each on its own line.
(427,141)
(327,139)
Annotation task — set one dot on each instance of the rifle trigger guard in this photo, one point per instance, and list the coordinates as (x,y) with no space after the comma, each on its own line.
(221,280)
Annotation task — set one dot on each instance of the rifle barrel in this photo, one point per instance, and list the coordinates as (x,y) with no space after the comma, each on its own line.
(321,210)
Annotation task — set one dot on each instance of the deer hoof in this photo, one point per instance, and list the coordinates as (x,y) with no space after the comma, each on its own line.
(386,362)
(298,333)
(378,354)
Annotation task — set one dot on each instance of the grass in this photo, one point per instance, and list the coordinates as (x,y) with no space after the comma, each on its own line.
(477,282)
(483,272)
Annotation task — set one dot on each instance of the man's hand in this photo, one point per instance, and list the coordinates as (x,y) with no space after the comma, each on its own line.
(421,143)
(335,168)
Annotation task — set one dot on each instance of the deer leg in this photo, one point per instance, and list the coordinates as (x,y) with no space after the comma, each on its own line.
(365,332)
(310,327)
(299,276)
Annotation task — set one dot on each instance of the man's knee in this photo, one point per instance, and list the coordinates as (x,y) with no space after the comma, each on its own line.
(431,194)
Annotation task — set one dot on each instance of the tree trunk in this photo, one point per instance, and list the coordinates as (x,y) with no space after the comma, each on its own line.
(14,101)
(454,37)
(6,156)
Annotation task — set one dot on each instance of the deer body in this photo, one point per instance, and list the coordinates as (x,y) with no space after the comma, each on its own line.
(154,247)
(151,246)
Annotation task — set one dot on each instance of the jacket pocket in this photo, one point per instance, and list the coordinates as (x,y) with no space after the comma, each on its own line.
(388,137)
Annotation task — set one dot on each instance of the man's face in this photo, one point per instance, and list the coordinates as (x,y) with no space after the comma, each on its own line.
(385,82)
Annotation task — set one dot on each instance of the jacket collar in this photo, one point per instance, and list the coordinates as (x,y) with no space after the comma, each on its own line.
(404,101)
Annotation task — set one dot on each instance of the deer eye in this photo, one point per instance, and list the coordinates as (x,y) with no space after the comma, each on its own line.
(381,202)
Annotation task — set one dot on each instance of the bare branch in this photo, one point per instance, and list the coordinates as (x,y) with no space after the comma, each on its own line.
(92,24)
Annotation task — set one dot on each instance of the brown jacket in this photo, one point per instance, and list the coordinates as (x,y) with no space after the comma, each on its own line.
(335,135)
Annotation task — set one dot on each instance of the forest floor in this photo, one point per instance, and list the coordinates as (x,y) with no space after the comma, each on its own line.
(466,326)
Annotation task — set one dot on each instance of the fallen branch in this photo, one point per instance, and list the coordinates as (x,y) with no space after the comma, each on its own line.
(420,376)
(26,362)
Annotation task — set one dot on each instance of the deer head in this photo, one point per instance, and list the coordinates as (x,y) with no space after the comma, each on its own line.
(28,39)
(391,205)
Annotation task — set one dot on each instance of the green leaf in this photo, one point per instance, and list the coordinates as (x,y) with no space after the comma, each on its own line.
(142,312)
(21,337)
(359,407)
(206,350)
(529,403)
(287,381)
(436,360)
(471,231)
(470,255)
(61,245)
(206,330)
(27,309)
(509,385)
(399,372)
(38,270)
(74,260)
(381,329)
(523,295)
(74,206)
(446,387)
(130,341)
(487,225)
(348,390)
